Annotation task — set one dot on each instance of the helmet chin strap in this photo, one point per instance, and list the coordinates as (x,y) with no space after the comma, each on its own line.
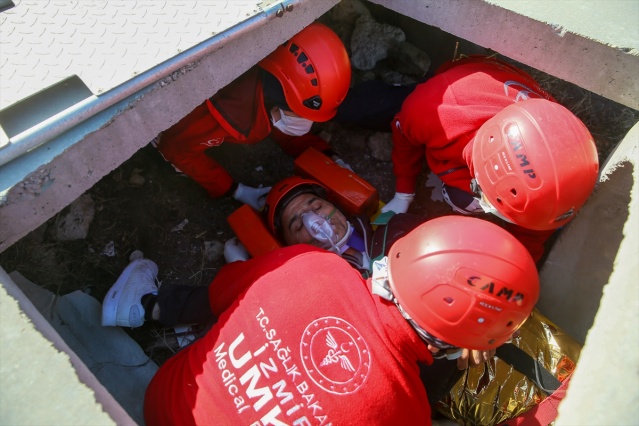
(489,208)
(485,205)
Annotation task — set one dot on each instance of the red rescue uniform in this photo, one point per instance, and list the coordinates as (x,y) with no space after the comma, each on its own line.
(236,114)
(438,121)
(305,342)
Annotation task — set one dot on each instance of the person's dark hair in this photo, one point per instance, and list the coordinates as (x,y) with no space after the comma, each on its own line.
(285,201)
(273,91)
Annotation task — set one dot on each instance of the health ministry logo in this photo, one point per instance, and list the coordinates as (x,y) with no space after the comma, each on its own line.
(335,355)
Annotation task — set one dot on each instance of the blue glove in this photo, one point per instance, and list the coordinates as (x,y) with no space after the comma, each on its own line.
(254,197)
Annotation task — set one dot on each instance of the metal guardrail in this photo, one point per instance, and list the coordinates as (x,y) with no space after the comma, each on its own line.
(54,126)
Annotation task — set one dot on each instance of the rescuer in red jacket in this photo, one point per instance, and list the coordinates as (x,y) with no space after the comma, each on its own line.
(499,143)
(307,340)
(301,82)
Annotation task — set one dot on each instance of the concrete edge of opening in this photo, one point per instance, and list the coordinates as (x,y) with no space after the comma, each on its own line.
(37,365)
(556,50)
(592,294)
(574,276)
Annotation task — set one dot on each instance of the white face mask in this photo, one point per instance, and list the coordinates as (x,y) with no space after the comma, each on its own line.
(321,230)
(292,125)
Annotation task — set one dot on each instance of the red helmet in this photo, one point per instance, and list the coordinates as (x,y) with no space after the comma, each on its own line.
(282,193)
(463,280)
(314,70)
(536,163)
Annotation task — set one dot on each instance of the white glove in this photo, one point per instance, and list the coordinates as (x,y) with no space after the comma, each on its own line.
(343,165)
(254,197)
(234,250)
(399,203)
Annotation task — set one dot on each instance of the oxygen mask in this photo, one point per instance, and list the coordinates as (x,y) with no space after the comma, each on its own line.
(323,231)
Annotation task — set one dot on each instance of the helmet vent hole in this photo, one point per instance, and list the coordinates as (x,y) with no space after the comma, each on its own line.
(491,139)
(513,191)
(510,324)
(449,300)
(499,200)
(397,255)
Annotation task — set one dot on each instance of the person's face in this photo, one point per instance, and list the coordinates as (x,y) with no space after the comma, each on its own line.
(293,227)
(276,113)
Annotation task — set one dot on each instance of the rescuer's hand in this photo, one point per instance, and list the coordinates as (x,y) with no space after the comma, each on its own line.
(473,358)
(399,203)
(235,251)
(254,197)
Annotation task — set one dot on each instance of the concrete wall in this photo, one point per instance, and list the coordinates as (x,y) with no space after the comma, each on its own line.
(561,38)
(598,255)
(42,380)
(585,257)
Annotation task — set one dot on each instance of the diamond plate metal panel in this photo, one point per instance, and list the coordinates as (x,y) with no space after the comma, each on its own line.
(105,43)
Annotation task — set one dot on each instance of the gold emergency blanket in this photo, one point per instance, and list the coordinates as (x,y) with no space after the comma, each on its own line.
(495,392)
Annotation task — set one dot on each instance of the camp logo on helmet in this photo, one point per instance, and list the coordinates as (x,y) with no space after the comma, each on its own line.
(488,285)
(516,144)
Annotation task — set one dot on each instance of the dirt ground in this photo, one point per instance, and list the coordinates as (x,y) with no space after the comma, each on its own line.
(149,214)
